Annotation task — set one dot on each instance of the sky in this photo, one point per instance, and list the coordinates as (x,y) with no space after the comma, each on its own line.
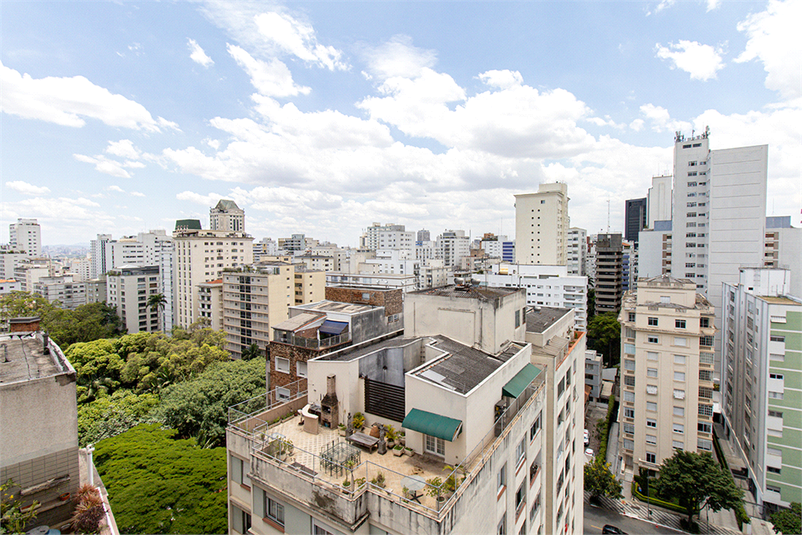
(324,117)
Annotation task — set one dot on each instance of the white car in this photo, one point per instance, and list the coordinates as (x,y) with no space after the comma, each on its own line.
(587,437)
(589,452)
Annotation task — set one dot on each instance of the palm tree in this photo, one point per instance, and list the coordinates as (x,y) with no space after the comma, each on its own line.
(157,302)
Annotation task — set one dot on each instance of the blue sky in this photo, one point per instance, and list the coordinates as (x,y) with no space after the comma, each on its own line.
(322,117)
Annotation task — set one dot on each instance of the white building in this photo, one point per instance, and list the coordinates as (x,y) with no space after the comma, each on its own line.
(452,246)
(71,294)
(550,286)
(266,247)
(227,216)
(783,249)
(659,200)
(389,236)
(541,225)
(655,250)
(9,285)
(9,260)
(127,291)
(593,374)
(97,252)
(761,383)
(576,251)
(26,235)
(667,372)
(407,282)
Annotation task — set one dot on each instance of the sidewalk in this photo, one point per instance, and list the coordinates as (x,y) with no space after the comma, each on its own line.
(634,508)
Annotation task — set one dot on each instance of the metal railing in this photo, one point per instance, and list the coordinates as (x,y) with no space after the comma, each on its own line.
(313,343)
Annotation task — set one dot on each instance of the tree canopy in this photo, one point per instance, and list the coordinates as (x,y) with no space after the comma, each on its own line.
(788,521)
(199,407)
(600,481)
(697,480)
(158,484)
(109,416)
(142,362)
(604,335)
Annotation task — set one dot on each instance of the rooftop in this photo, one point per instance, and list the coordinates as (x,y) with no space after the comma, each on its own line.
(335,306)
(22,358)
(356,352)
(540,319)
(468,292)
(780,300)
(299,321)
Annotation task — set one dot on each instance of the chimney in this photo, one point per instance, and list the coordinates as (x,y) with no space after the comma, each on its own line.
(331,384)
(24,325)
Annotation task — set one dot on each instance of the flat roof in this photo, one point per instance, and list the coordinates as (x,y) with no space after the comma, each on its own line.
(353,353)
(335,306)
(779,300)
(468,292)
(462,367)
(22,358)
(296,322)
(540,319)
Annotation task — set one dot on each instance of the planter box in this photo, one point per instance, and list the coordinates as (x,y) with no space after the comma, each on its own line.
(409,452)
(398,453)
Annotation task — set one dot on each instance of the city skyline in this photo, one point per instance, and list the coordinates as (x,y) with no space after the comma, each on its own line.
(323,118)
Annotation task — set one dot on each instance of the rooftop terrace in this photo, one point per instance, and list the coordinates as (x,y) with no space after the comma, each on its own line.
(23,358)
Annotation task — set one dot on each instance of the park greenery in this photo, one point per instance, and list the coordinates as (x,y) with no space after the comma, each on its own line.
(159,483)
(787,521)
(696,480)
(600,481)
(604,335)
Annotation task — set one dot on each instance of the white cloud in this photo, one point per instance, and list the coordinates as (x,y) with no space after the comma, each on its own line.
(636,125)
(198,55)
(124,149)
(118,189)
(661,120)
(774,40)
(26,188)
(713,4)
(108,166)
(270,78)
(501,79)
(398,57)
(137,194)
(67,101)
(204,200)
(298,38)
(700,61)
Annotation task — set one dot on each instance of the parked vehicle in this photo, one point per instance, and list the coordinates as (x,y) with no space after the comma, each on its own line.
(612,529)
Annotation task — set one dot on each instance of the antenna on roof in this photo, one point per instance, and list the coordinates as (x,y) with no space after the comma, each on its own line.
(608,215)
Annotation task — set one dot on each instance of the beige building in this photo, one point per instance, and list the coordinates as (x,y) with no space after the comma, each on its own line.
(254,298)
(541,225)
(127,291)
(201,256)
(559,350)
(210,303)
(667,365)
(227,216)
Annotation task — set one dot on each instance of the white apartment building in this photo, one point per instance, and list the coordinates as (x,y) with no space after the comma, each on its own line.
(9,285)
(71,294)
(667,372)
(97,252)
(389,236)
(406,282)
(9,260)
(550,286)
(201,256)
(593,373)
(127,291)
(655,250)
(30,270)
(541,225)
(576,251)
(227,216)
(210,303)
(266,247)
(783,249)
(762,381)
(452,246)
(659,200)
(26,235)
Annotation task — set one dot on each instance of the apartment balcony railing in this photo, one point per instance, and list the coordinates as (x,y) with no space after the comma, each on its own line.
(312,343)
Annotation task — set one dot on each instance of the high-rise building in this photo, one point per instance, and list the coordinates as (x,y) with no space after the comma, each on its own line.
(783,249)
(634,218)
(577,251)
(226,215)
(201,256)
(541,225)
(371,238)
(659,200)
(97,251)
(655,250)
(761,382)
(423,235)
(128,289)
(609,272)
(26,235)
(667,367)
(453,246)
(70,293)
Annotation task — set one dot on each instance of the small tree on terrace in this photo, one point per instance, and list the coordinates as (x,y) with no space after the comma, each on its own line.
(600,481)
(697,480)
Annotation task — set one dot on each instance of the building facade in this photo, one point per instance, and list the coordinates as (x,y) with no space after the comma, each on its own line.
(64,289)
(541,225)
(609,272)
(128,290)
(634,218)
(227,216)
(667,372)
(26,235)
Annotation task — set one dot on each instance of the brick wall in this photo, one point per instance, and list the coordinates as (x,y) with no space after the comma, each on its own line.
(293,354)
(391,300)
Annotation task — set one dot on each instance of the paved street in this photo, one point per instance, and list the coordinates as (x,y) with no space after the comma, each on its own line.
(596,518)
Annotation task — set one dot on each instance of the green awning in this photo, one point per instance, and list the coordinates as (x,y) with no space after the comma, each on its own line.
(433,424)
(517,384)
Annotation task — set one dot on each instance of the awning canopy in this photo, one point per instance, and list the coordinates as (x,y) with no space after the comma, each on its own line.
(333,327)
(517,384)
(433,424)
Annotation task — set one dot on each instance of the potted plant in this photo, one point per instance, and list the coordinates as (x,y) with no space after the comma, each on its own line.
(451,482)
(358,421)
(398,450)
(379,480)
(346,486)
(435,490)
(341,429)
(358,482)
(409,451)
(402,438)
(390,435)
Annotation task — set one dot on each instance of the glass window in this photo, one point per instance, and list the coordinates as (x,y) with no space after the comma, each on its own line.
(679,411)
(501,478)
(652,355)
(652,322)
(651,458)
(651,406)
(629,396)
(651,372)
(520,452)
(679,428)
(679,376)
(650,422)
(651,440)
(535,427)
(275,510)
(282,365)
(435,445)
(679,324)
(301,368)
(679,359)
(677,445)
(629,413)
(652,339)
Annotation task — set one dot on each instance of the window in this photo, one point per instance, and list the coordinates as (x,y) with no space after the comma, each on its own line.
(318,529)
(629,396)
(679,324)
(776,376)
(651,372)
(533,431)
(651,355)
(435,445)
(283,394)
(704,444)
(520,452)
(274,510)
(679,376)
(631,316)
(679,411)
(772,469)
(629,413)
(651,389)
(629,444)
(704,427)
(517,318)
(772,488)
(652,322)
(651,458)
(535,507)
(775,395)
(679,394)
(651,406)
(282,365)
(241,520)
(706,341)
(653,339)
(677,445)
(629,365)
(502,526)
(651,422)
(301,368)
(679,428)
(629,429)
(704,322)
(501,478)
(775,414)
(629,380)
(520,498)
(777,338)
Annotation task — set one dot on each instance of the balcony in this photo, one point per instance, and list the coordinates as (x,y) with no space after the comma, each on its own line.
(285,337)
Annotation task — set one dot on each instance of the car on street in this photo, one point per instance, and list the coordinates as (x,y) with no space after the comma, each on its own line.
(587,437)
(608,528)
(589,452)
